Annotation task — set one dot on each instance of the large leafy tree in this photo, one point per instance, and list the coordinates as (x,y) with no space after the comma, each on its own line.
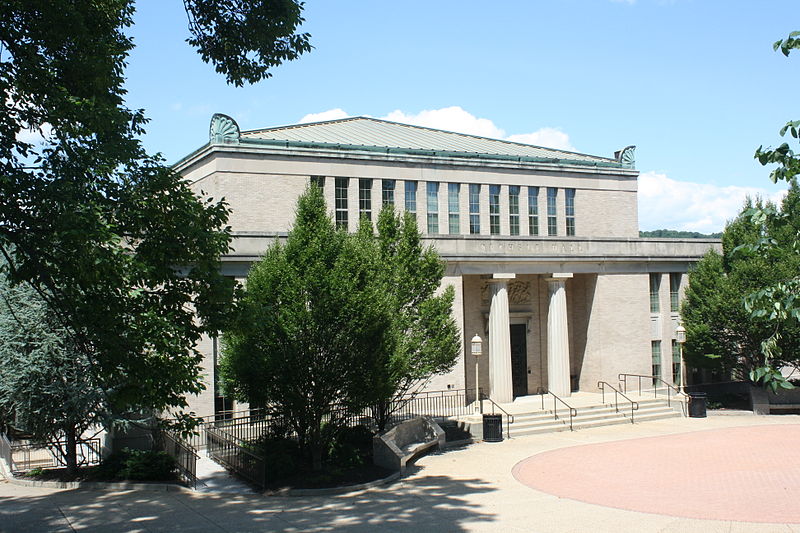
(780,302)
(46,385)
(427,340)
(313,323)
(124,254)
(721,332)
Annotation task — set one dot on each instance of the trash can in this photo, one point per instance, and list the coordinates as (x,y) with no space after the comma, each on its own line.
(697,404)
(492,428)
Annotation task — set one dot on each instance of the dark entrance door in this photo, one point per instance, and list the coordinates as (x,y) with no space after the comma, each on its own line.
(519,360)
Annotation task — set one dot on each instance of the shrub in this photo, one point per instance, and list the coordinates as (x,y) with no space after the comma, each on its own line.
(281,456)
(351,446)
(139,465)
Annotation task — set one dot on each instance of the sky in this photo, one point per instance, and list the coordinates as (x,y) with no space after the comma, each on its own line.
(694,84)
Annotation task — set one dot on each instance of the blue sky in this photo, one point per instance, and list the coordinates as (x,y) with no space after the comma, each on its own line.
(695,85)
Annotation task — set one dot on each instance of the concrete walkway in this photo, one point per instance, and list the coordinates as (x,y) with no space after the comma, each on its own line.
(470,489)
(212,477)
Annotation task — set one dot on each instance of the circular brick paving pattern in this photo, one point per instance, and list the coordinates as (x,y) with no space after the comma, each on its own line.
(748,474)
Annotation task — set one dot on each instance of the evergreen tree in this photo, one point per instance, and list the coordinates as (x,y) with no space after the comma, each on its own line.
(427,340)
(46,385)
(311,328)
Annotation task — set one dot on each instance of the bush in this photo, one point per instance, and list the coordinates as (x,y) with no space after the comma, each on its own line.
(139,465)
(281,456)
(351,446)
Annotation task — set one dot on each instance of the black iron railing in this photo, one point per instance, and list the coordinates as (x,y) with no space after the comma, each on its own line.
(668,387)
(23,457)
(232,452)
(184,454)
(556,400)
(602,386)
(509,416)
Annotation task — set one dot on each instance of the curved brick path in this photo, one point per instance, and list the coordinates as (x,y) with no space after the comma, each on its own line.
(748,474)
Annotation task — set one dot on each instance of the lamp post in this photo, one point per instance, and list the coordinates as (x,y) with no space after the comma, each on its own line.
(477,350)
(680,337)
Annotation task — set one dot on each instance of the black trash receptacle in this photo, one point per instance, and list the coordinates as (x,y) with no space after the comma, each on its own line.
(492,428)
(697,404)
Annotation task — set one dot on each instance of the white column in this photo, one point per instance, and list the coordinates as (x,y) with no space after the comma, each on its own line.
(558,370)
(500,341)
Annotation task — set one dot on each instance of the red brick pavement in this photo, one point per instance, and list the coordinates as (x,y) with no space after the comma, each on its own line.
(748,474)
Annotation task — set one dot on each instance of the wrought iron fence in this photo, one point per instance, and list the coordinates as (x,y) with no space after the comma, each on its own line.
(231,452)
(184,454)
(23,457)
(435,404)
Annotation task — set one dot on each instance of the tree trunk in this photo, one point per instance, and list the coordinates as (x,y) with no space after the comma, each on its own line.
(316,447)
(72,452)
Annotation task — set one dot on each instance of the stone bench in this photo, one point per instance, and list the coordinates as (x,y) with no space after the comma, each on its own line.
(405,442)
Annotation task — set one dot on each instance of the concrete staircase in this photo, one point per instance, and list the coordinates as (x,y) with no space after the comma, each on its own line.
(591,417)
(531,419)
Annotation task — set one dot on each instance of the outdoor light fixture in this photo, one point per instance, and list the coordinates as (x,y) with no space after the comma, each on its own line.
(680,337)
(477,350)
(477,345)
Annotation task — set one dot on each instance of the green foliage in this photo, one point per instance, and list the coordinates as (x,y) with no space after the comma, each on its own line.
(246,38)
(677,234)
(351,447)
(137,465)
(46,384)
(778,302)
(426,337)
(723,332)
(313,323)
(124,253)
(282,456)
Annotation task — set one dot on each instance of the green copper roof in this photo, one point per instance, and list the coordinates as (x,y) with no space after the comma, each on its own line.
(370,134)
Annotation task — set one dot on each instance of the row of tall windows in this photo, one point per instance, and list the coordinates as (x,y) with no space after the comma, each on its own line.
(494,209)
(365,198)
(474,208)
(655,347)
(387,192)
(674,292)
(552,222)
(655,309)
(433,207)
(513,209)
(453,221)
(533,210)
(341,186)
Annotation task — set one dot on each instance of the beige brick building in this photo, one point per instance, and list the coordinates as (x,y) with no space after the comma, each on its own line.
(542,246)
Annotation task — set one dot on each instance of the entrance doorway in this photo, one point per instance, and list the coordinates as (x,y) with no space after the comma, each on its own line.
(519,360)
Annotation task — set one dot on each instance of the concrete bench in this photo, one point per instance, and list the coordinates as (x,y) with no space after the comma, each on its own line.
(405,442)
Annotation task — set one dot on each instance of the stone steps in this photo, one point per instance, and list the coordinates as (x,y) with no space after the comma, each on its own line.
(538,421)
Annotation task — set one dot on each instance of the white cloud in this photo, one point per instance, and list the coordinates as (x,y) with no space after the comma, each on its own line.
(549,137)
(454,118)
(330,114)
(665,203)
(36,135)
(451,118)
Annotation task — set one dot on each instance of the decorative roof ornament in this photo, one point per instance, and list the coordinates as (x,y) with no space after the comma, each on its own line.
(626,157)
(223,130)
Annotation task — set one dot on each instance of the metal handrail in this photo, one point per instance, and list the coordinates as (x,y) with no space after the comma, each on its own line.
(509,416)
(602,386)
(572,411)
(669,386)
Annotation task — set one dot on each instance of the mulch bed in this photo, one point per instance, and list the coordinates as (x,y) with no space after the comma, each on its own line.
(331,478)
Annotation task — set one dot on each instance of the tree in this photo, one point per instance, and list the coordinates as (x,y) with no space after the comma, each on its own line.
(721,332)
(427,339)
(124,254)
(313,322)
(779,303)
(46,385)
